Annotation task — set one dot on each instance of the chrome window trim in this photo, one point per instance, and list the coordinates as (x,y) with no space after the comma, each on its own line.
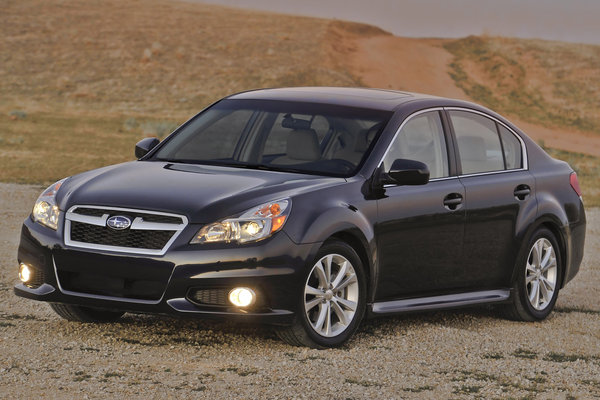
(525,158)
(504,171)
(411,116)
(137,224)
(446,178)
(111,298)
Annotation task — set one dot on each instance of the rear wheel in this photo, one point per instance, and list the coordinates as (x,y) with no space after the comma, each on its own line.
(538,282)
(85,314)
(333,300)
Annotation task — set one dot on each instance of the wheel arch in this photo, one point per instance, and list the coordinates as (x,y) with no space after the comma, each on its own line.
(355,239)
(562,248)
(555,226)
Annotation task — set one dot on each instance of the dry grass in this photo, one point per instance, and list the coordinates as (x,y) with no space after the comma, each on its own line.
(588,173)
(45,146)
(549,83)
(151,56)
(82,81)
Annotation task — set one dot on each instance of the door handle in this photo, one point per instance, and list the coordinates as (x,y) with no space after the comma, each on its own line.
(453,201)
(522,192)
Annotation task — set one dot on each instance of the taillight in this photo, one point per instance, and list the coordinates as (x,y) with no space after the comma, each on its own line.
(575,183)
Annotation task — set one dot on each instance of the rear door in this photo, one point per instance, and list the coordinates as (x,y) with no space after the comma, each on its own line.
(420,228)
(499,196)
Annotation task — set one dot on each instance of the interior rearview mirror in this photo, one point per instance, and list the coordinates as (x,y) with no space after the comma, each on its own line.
(144,146)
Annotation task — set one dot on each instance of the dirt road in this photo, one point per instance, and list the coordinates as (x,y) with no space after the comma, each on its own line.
(422,65)
(458,354)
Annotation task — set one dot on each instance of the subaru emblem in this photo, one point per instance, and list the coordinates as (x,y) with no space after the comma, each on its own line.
(118,222)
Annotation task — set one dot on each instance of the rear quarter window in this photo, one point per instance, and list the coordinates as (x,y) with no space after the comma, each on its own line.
(513,153)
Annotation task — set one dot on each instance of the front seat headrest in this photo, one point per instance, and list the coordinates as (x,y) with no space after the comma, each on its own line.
(303,144)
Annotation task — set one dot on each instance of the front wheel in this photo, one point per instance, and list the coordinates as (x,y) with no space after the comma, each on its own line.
(538,282)
(332,303)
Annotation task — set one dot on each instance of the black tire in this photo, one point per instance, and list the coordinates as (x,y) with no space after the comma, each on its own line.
(302,332)
(521,307)
(85,314)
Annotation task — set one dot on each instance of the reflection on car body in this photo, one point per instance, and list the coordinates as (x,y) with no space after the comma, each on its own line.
(310,209)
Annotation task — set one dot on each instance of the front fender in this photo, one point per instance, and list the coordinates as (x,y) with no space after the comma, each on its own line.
(334,220)
(344,221)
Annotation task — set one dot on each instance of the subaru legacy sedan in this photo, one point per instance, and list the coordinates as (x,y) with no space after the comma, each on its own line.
(310,209)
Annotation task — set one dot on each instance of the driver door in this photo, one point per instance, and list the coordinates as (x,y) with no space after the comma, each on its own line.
(420,228)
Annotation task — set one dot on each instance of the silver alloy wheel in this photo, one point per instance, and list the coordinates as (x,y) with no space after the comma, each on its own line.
(331,295)
(541,274)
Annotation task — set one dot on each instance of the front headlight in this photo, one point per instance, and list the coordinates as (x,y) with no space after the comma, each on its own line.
(255,224)
(45,211)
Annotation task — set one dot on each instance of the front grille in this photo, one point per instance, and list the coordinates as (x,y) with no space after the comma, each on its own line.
(149,233)
(103,285)
(141,239)
(98,212)
(209,297)
(112,275)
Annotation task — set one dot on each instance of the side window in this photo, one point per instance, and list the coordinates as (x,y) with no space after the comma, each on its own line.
(478,142)
(421,139)
(512,149)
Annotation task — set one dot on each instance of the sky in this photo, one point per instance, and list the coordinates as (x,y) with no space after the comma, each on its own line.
(566,20)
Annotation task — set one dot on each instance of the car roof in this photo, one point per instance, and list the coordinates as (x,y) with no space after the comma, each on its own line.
(381,99)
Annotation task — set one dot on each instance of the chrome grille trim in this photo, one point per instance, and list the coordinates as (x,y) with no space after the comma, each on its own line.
(137,224)
(86,219)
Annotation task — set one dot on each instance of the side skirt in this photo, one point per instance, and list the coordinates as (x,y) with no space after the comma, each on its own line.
(439,302)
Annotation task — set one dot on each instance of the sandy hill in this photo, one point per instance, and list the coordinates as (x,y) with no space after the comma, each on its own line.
(550,89)
(105,73)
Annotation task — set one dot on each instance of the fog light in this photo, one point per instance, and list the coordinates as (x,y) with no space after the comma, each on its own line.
(242,297)
(24,273)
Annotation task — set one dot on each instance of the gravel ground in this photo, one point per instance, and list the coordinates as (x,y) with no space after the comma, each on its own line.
(454,354)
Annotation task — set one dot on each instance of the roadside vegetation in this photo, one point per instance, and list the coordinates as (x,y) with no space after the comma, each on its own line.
(164,58)
(588,172)
(548,83)
(81,83)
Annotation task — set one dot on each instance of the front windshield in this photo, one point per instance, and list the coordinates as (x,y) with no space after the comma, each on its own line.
(279,135)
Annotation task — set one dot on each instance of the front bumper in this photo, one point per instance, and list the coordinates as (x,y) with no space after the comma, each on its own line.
(274,268)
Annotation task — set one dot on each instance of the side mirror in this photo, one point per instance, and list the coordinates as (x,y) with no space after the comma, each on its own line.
(408,172)
(144,146)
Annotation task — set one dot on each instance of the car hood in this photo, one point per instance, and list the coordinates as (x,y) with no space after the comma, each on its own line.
(202,193)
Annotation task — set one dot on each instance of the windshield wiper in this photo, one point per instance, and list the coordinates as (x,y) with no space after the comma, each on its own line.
(268,167)
(233,164)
